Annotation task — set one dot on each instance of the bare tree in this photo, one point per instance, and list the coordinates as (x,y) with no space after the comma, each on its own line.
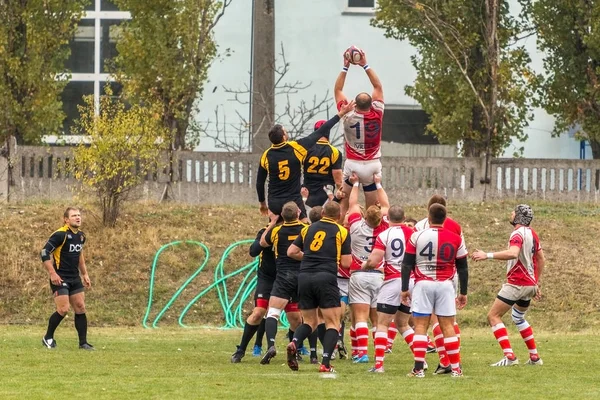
(237,137)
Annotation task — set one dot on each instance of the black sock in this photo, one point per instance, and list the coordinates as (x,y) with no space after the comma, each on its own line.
(302,332)
(321,330)
(81,326)
(329,342)
(290,334)
(249,331)
(260,333)
(419,365)
(53,323)
(271,330)
(312,341)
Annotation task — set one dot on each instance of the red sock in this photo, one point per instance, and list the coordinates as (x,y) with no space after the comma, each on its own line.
(408,336)
(391,335)
(453,350)
(353,340)
(527,334)
(362,338)
(457,332)
(381,340)
(438,337)
(420,348)
(501,335)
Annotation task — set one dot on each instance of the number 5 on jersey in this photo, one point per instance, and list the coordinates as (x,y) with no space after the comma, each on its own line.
(317,241)
(284,170)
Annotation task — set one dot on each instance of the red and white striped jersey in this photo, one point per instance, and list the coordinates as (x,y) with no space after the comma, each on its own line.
(363,238)
(436,250)
(362,132)
(393,241)
(523,270)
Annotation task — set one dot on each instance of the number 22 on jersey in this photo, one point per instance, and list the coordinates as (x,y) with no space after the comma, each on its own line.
(314,164)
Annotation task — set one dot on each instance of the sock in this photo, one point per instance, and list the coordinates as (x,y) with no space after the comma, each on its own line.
(341,331)
(330,341)
(271,330)
(453,350)
(321,329)
(312,341)
(457,332)
(430,343)
(353,341)
(408,336)
(527,334)
(249,331)
(301,333)
(53,323)
(501,335)
(290,336)
(391,335)
(362,338)
(419,350)
(373,332)
(260,333)
(438,337)
(381,341)
(81,326)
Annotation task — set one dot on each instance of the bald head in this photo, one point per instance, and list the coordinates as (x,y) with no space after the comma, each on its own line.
(363,101)
(331,210)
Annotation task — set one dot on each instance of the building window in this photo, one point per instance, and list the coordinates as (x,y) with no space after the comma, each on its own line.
(72,96)
(81,59)
(111,31)
(107,5)
(406,125)
(361,3)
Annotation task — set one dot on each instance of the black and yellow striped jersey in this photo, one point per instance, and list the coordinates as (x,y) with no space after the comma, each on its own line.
(319,164)
(281,237)
(282,164)
(65,246)
(323,243)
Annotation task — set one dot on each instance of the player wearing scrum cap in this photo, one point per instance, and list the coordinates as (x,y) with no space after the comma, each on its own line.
(362,132)
(525,264)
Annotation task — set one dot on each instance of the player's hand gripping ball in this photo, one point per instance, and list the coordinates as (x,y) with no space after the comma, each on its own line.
(353,54)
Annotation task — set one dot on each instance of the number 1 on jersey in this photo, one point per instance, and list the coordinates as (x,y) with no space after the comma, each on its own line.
(357,127)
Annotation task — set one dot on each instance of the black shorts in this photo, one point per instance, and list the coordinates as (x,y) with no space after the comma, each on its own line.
(276,205)
(316,197)
(318,290)
(286,286)
(262,293)
(69,287)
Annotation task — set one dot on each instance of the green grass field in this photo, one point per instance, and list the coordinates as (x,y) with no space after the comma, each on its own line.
(133,363)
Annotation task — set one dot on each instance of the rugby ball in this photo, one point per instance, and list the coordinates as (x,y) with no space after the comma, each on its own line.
(353,54)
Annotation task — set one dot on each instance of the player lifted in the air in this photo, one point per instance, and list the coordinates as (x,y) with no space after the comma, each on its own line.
(362,128)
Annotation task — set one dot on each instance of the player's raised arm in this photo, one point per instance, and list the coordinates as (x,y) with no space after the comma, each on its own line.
(377,93)
(261,179)
(324,129)
(338,88)
(353,205)
(382,196)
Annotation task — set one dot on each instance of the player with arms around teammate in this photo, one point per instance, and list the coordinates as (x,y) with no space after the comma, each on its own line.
(284,294)
(282,164)
(362,132)
(266,274)
(322,168)
(389,248)
(435,255)
(63,258)
(364,284)
(322,247)
(525,264)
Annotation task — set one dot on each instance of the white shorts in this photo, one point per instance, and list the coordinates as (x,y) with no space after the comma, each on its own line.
(364,169)
(428,296)
(364,287)
(389,293)
(343,286)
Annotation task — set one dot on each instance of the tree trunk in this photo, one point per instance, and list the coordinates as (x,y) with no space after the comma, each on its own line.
(263,74)
(595,145)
